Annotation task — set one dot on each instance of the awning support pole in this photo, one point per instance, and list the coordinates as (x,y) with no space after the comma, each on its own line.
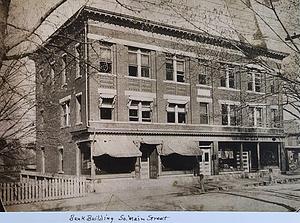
(258,155)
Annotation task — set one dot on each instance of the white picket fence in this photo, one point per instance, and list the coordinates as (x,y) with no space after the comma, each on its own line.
(42,190)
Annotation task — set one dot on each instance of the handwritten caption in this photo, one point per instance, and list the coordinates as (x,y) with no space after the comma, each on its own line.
(115,219)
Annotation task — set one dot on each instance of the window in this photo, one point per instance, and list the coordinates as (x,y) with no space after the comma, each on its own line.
(60,160)
(77,60)
(231,114)
(63,71)
(78,109)
(42,159)
(106,107)
(228,79)
(42,118)
(140,111)
(105,59)
(176,113)
(65,113)
(175,69)
(256,116)
(204,118)
(275,117)
(204,75)
(255,82)
(138,63)
(224,110)
(273,85)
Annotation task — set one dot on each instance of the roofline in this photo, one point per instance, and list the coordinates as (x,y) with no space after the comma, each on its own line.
(166,29)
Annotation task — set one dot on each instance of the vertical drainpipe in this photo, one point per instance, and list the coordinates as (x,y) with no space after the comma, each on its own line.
(86,73)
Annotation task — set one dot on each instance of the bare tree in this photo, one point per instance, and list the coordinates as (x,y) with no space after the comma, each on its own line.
(257,24)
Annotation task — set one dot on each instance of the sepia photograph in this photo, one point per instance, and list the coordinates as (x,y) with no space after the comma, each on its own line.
(149,105)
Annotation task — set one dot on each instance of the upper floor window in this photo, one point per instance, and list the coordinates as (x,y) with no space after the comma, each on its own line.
(256,116)
(231,114)
(140,111)
(275,119)
(63,71)
(78,109)
(176,113)
(228,79)
(204,75)
(105,59)
(175,69)
(77,60)
(52,73)
(106,107)
(255,82)
(65,108)
(138,63)
(204,113)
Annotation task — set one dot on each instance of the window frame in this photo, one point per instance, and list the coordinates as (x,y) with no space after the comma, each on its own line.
(65,113)
(254,116)
(106,106)
(60,150)
(206,114)
(77,49)
(139,62)
(140,107)
(64,81)
(225,79)
(78,108)
(254,76)
(175,59)
(107,61)
(233,115)
(177,110)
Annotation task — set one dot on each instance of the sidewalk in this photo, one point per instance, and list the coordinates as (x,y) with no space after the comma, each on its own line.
(143,189)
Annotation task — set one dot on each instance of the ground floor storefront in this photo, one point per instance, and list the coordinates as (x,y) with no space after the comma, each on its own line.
(151,157)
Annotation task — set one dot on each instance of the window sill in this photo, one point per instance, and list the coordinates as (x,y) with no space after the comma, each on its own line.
(78,123)
(203,86)
(141,78)
(61,172)
(106,74)
(64,127)
(106,120)
(255,92)
(229,89)
(175,82)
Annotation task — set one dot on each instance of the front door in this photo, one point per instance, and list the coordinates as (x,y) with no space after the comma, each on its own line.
(205,162)
(149,162)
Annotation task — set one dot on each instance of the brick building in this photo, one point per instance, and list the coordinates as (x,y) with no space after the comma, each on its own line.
(119,96)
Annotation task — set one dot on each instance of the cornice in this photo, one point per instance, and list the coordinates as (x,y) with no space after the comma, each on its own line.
(182,33)
(162,132)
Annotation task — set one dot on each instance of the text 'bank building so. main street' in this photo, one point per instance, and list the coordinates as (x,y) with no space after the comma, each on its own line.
(118,96)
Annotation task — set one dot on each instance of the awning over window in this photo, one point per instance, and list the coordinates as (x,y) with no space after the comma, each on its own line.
(184,146)
(104,95)
(116,146)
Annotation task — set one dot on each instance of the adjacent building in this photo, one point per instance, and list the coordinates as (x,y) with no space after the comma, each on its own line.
(118,96)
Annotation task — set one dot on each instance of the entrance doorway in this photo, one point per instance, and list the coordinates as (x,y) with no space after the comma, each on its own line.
(149,161)
(205,161)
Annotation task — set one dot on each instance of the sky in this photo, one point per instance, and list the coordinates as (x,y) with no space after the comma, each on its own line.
(227,18)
